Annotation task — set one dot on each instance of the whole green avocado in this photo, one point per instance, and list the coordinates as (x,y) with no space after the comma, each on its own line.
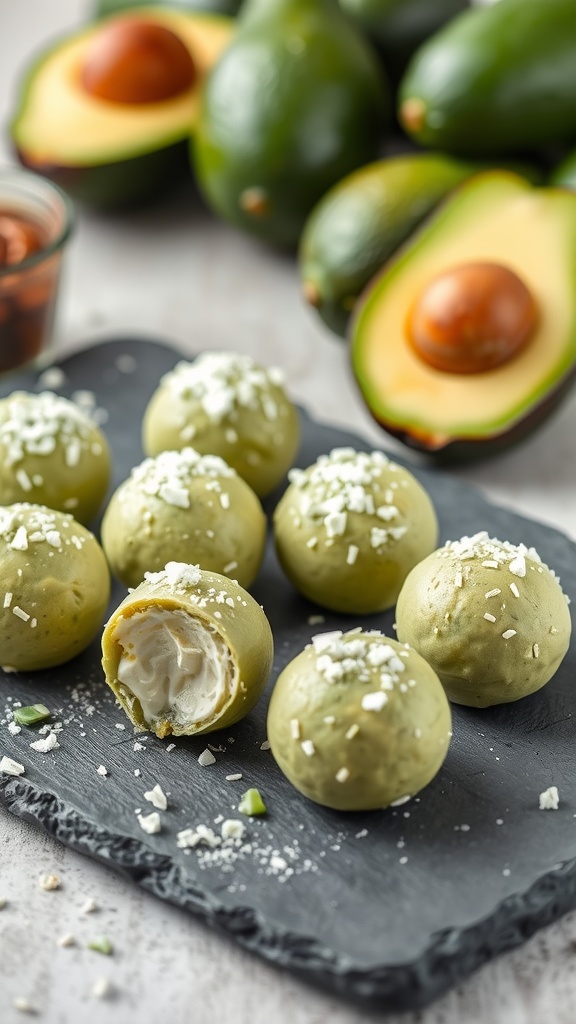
(500,79)
(106,7)
(296,102)
(398,27)
(362,221)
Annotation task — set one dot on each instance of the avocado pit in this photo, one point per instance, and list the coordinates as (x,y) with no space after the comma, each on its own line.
(472,318)
(134,60)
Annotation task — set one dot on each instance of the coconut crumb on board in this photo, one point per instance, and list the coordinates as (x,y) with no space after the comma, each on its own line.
(549,799)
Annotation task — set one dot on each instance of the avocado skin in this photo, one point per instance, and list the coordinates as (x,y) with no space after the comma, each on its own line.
(564,175)
(121,185)
(461,450)
(399,27)
(499,79)
(287,121)
(362,220)
(107,7)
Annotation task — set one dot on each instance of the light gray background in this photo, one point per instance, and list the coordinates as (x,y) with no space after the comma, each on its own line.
(174,272)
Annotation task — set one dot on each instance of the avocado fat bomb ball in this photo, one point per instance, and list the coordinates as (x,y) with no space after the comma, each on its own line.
(56,587)
(52,454)
(226,404)
(349,528)
(358,721)
(187,652)
(489,617)
(184,507)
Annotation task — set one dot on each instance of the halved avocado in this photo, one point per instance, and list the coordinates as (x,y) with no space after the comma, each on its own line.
(499,218)
(103,152)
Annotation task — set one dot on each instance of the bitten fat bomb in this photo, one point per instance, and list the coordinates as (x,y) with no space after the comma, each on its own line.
(187,651)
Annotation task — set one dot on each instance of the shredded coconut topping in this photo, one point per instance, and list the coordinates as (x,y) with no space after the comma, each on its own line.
(346,481)
(367,658)
(495,554)
(223,382)
(39,424)
(178,575)
(170,475)
(23,524)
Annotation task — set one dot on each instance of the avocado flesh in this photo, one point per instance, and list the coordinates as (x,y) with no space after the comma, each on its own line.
(104,152)
(498,79)
(297,102)
(498,217)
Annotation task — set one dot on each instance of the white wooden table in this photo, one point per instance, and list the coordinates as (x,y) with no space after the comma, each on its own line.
(175,273)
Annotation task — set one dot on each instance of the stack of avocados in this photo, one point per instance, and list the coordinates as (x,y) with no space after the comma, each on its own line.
(449,270)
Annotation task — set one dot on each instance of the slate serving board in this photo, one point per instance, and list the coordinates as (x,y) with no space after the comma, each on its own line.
(390,908)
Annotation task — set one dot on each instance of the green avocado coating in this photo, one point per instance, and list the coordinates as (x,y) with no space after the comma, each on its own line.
(181,506)
(488,616)
(362,221)
(55,587)
(187,652)
(295,103)
(349,528)
(358,722)
(499,79)
(52,454)
(226,404)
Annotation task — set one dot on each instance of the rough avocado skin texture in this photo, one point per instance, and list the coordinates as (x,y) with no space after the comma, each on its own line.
(65,589)
(362,220)
(244,628)
(295,103)
(499,79)
(143,531)
(398,27)
(446,623)
(395,752)
(231,7)
(319,565)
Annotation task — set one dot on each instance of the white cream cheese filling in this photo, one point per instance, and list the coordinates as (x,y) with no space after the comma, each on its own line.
(178,668)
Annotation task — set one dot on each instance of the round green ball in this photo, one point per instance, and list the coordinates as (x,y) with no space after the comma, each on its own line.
(52,454)
(358,721)
(488,616)
(184,507)
(55,587)
(349,528)
(226,404)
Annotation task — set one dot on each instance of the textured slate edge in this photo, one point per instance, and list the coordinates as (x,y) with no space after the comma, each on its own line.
(451,955)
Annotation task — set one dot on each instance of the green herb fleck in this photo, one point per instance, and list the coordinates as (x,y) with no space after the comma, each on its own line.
(251,803)
(101,944)
(32,715)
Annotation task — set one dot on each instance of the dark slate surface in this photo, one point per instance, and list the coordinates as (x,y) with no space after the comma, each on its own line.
(351,916)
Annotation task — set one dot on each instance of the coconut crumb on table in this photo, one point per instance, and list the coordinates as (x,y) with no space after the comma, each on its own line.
(23,1005)
(206,758)
(49,882)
